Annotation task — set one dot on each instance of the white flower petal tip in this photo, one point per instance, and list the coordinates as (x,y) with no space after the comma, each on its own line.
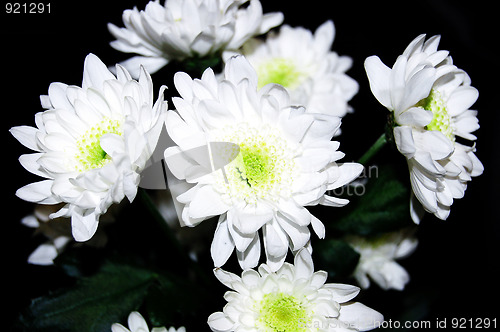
(304,64)
(137,323)
(205,28)
(293,297)
(430,100)
(91,143)
(285,160)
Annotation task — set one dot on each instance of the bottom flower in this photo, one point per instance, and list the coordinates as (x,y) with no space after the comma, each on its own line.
(295,298)
(137,323)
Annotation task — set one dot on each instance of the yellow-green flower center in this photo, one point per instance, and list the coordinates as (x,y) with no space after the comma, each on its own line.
(280,71)
(90,154)
(441,120)
(264,167)
(281,312)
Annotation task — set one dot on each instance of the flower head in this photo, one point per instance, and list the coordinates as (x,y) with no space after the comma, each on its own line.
(286,161)
(303,63)
(377,259)
(295,298)
(91,143)
(183,29)
(137,323)
(430,100)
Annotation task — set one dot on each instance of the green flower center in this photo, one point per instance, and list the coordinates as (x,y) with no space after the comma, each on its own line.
(90,154)
(280,71)
(441,120)
(256,164)
(281,312)
(264,167)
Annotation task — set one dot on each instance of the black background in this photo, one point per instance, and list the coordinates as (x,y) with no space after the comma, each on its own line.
(456,263)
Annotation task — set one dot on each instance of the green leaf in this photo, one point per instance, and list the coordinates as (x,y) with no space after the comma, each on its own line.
(382,205)
(336,257)
(93,304)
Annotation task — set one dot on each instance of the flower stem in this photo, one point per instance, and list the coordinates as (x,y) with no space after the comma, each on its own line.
(372,151)
(165,228)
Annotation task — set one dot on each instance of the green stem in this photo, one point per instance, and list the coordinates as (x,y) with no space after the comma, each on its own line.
(167,231)
(372,151)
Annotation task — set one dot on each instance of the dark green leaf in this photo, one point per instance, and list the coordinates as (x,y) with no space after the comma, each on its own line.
(382,205)
(93,304)
(336,257)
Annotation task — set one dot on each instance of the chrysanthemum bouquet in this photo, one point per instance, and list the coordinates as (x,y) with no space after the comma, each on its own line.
(231,169)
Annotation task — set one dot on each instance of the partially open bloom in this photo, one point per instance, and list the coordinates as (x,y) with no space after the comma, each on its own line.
(303,63)
(430,100)
(286,161)
(91,143)
(377,259)
(137,323)
(187,29)
(295,298)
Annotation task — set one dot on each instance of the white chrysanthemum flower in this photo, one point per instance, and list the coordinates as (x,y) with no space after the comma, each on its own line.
(286,161)
(295,298)
(430,99)
(188,28)
(303,63)
(91,143)
(137,323)
(377,259)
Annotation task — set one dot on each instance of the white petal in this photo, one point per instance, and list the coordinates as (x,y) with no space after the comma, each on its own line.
(304,266)
(38,192)
(228,279)
(250,257)
(347,172)
(276,245)
(416,210)
(250,219)
(43,255)
(318,227)
(137,322)
(118,328)
(379,77)
(437,144)
(461,100)
(84,225)
(206,203)
(238,68)
(95,73)
(222,244)
(26,135)
(360,316)
(417,88)
(403,135)
(415,116)
(342,292)
(150,64)
(218,321)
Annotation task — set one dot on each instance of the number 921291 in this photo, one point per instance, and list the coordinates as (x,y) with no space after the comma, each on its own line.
(27,8)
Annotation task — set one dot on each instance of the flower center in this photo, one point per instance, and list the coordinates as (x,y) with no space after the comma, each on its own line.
(441,120)
(281,71)
(281,312)
(90,154)
(264,168)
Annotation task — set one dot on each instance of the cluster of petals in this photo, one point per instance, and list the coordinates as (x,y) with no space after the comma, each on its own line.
(302,296)
(219,110)
(304,64)
(430,100)
(91,143)
(137,323)
(378,257)
(182,29)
